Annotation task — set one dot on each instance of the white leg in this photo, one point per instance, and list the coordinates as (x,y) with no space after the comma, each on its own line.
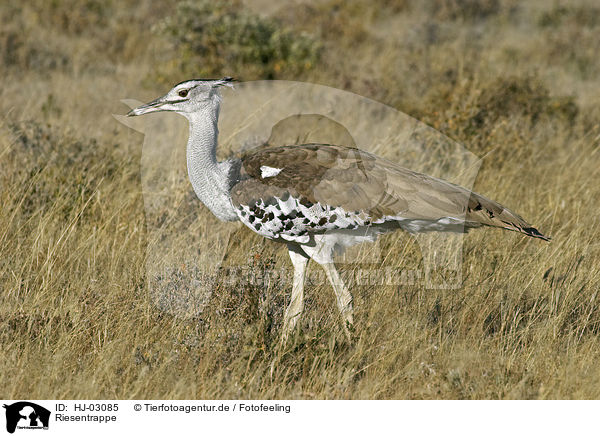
(322,253)
(296,306)
(342,295)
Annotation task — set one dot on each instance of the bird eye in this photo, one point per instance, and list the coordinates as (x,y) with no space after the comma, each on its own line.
(183,93)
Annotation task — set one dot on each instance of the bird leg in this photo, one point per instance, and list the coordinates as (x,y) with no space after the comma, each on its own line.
(342,296)
(296,306)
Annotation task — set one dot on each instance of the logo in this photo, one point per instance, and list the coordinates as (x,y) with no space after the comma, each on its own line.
(26,415)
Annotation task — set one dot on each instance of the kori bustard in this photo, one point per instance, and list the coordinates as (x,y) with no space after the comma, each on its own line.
(318,198)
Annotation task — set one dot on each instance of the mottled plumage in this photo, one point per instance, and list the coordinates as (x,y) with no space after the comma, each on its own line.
(319,198)
(321,187)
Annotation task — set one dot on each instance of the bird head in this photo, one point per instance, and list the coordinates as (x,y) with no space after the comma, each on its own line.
(187,97)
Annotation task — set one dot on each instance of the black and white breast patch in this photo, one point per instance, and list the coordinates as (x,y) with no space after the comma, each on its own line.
(294,219)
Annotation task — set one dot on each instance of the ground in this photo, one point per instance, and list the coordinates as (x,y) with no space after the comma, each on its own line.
(517,83)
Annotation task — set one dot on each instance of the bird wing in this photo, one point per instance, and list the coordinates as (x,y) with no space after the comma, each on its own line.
(358,181)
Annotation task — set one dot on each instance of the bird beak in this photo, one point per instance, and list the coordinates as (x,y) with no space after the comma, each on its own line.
(153,106)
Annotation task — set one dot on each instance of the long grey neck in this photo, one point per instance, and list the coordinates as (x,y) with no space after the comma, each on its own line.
(210,179)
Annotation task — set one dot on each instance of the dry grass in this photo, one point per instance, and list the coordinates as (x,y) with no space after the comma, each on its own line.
(514,81)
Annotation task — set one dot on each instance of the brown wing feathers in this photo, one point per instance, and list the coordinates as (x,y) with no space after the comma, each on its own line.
(359,181)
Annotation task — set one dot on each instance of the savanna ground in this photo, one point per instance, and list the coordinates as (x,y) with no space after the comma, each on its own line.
(517,83)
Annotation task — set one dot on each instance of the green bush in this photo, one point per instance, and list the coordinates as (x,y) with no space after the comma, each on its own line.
(221,37)
(572,15)
(511,96)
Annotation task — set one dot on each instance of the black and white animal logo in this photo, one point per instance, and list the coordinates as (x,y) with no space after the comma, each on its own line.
(26,415)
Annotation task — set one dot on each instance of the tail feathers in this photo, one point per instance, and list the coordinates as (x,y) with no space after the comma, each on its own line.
(490,213)
(535,233)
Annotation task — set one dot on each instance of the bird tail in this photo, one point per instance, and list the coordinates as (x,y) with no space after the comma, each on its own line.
(487,212)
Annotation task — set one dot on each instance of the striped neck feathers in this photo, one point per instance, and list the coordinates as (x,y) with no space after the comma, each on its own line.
(209,178)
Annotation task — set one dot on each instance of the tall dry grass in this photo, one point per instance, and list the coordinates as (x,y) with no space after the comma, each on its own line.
(514,81)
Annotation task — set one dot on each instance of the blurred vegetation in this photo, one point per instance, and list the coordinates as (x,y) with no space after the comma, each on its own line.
(464,10)
(211,36)
(502,100)
(578,15)
(517,82)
